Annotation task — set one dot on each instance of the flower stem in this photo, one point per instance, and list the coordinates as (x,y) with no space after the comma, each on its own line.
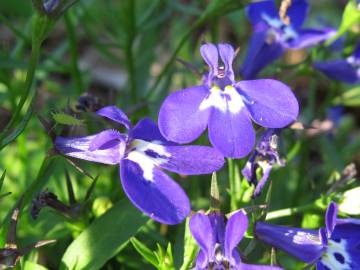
(291,211)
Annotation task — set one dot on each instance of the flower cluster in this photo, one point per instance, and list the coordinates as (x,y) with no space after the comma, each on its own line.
(227,108)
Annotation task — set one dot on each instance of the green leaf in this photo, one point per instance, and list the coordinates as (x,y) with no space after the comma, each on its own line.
(66,119)
(351,16)
(2,179)
(145,252)
(190,247)
(104,238)
(28,265)
(349,98)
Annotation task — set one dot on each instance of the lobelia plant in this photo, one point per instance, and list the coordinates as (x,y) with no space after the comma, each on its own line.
(275,32)
(264,156)
(218,241)
(141,152)
(346,70)
(226,107)
(333,247)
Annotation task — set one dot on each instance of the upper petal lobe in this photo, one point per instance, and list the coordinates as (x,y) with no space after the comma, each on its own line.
(271,103)
(180,119)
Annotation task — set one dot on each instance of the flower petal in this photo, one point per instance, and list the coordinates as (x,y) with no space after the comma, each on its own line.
(236,227)
(210,54)
(108,153)
(115,114)
(339,70)
(310,37)
(263,50)
(244,266)
(192,160)
(158,196)
(148,131)
(227,54)
(105,137)
(218,224)
(303,244)
(256,10)
(297,12)
(203,233)
(180,119)
(231,131)
(266,169)
(330,218)
(270,102)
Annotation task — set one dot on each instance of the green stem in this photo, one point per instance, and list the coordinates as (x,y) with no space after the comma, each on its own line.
(232,185)
(291,211)
(34,57)
(76,74)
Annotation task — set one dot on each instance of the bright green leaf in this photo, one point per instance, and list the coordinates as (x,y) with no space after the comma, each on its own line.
(2,179)
(66,119)
(351,16)
(144,251)
(349,98)
(104,238)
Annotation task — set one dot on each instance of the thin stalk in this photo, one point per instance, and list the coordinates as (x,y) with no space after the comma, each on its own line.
(75,71)
(291,211)
(30,74)
(232,185)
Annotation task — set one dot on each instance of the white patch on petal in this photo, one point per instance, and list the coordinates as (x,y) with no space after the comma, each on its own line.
(146,162)
(229,99)
(329,258)
(306,238)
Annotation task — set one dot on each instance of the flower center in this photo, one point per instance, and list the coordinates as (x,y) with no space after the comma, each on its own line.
(336,256)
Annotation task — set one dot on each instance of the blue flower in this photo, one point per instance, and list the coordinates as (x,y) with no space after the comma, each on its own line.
(264,156)
(218,241)
(346,70)
(141,153)
(226,107)
(274,32)
(335,247)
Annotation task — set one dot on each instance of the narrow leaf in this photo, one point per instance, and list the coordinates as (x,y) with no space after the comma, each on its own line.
(104,238)
(144,251)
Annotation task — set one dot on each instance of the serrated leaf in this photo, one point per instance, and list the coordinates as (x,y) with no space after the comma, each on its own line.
(104,238)
(145,252)
(66,119)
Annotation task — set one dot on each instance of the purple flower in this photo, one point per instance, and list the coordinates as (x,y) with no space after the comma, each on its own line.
(273,35)
(226,107)
(141,153)
(264,156)
(332,248)
(346,70)
(218,241)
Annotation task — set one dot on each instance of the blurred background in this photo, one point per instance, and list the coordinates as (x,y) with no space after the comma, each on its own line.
(127,53)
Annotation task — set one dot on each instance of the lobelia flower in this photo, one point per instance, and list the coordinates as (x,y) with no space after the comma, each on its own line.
(346,70)
(275,32)
(226,107)
(264,156)
(218,241)
(141,153)
(335,247)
